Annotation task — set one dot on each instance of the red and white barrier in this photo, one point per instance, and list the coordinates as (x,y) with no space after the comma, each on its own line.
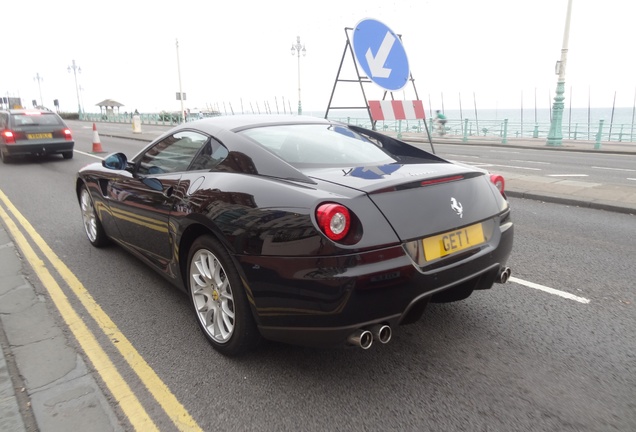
(397,110)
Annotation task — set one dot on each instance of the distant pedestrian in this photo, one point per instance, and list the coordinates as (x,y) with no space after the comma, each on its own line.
(136,112)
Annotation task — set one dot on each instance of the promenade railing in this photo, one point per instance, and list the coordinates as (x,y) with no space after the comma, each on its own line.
(504,129)
(467,128)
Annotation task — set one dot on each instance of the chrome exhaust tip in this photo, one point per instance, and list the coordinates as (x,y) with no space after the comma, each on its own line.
(504,275)
(361,338)
(382,333)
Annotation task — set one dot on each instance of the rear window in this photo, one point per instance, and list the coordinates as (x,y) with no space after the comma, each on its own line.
(319,145)
(43,119)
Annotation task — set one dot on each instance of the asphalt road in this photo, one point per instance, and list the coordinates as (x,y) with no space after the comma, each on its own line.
(515,358)
(618,169)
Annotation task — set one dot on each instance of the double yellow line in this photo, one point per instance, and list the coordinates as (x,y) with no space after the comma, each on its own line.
(119,388)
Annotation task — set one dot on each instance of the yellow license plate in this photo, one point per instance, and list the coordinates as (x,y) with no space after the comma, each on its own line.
(39,136)
(453,241)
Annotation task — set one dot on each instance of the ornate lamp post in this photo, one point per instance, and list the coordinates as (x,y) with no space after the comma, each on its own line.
(75,70)
(555,136)
(38,78)
(297,48)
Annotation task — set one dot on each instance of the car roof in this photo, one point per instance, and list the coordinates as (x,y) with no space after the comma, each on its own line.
(29,110)
(236,123)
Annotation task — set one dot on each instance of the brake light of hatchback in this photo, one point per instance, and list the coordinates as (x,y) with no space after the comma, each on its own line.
(8,136)
(68,135)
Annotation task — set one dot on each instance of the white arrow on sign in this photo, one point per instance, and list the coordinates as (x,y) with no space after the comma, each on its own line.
(376,64)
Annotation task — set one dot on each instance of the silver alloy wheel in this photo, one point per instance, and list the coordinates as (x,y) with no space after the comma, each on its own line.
(88,215)
(212,296)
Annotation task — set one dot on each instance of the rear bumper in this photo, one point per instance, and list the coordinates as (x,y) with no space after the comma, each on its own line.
(318,301)
(338,335)
(41,148)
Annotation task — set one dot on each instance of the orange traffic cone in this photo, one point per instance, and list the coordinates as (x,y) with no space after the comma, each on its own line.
(97,145)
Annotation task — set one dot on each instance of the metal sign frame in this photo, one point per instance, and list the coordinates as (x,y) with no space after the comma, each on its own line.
(348,49)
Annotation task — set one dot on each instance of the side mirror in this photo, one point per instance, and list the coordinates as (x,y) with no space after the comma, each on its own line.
(115,161)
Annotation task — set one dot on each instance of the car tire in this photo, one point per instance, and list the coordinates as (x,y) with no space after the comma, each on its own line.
(219,298)
(4,156)
(68,155)
(92,225)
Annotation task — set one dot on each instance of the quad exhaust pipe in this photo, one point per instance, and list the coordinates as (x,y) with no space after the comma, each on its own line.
(381,333)
(361,338)
(503,276)
(364,338)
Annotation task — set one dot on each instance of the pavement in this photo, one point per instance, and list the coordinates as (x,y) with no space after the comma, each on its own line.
(45,384)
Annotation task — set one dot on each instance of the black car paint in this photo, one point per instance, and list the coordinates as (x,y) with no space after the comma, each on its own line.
(305,288)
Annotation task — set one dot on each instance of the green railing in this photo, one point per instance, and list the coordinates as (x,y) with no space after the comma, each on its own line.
(148,119)
(504,130)
(465,129)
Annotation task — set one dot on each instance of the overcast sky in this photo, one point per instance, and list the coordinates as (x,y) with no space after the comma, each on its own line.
(484,51)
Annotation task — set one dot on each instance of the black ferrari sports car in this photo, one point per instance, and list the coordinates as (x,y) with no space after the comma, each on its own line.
(299,229)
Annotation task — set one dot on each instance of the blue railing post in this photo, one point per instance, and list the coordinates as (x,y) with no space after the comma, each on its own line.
(465,138)
(535,132)
(597,146)
(505,132)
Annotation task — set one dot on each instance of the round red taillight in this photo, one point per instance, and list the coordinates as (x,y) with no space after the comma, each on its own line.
(498,181)
(334,220)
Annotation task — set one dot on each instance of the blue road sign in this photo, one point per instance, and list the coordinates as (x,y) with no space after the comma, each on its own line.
(380,53)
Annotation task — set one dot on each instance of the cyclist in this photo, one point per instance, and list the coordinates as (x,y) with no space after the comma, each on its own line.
(440,119)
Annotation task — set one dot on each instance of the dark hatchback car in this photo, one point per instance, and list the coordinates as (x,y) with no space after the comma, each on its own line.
(299,229)
(33,132)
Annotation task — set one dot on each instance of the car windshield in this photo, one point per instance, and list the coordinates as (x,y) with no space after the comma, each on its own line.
(319,145)
(35,120)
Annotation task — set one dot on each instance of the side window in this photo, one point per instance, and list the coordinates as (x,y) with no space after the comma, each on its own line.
(212,154)
(3,121)
(172,154)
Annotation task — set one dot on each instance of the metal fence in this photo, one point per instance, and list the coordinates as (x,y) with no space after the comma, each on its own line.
(467,128)
(503,129)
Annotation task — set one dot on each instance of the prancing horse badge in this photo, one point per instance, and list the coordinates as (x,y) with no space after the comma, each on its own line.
(457,207)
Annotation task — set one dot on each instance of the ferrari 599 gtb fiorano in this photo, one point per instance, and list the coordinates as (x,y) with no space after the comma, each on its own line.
(299,229)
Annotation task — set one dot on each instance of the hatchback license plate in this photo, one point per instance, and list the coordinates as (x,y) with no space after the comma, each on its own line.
(453,241)
(39,136)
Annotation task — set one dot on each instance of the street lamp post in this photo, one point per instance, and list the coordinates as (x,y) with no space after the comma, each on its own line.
(38,78)
(76,69)
(81,92)
(297,48)
(555,136)
(183,119)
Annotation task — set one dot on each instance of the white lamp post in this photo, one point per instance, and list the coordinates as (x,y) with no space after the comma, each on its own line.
(297,48)
(39,79)
(183,119)
(76,69)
